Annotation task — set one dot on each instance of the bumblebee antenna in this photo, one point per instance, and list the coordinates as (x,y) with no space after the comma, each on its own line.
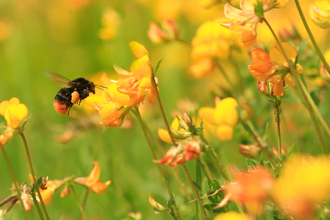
(101,87)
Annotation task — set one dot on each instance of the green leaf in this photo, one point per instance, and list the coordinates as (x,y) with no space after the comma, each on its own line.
(315,95)
(210,208)
(215,184)
(259,9)
(250,163)
(207,186)
(301,50)
(199,188)
(157,65)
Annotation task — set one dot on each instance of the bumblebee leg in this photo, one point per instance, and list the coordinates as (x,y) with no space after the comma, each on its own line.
(68,111)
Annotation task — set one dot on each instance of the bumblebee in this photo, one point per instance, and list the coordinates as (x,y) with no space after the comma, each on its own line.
(73,92)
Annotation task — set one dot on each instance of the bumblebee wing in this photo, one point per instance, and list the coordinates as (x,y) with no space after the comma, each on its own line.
(60,80)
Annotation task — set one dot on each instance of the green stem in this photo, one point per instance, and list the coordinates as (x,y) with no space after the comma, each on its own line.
(11,169)
(84,202)
(277,105)
(202,165)
(155,87)
(20,132)
(261,145)
(176,211)
(294,74)
(195,191)
(317,111)
(217,161)
(37,205)
(82,212)
(310,34)
(224,73)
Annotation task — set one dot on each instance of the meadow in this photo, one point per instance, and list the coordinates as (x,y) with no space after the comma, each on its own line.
(245,95)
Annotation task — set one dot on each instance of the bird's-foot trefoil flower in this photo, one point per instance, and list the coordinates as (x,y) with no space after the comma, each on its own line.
(92,181)
(274,68)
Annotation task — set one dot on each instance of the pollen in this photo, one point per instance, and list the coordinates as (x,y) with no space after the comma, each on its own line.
(74,97)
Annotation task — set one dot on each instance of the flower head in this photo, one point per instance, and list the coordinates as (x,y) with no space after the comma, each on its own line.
(273,67)
(110,22)
(48,192)
(168,31)
(320,13)
(224,115)
(251,188)
(231,216)
(296,197)
(14,112)
(92,181)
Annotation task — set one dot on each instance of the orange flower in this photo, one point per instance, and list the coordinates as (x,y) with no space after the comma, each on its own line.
(273,66)
(52,186)
(251,188)
(92,181)
(245,19)
(182,153)
(168,32)
(137,82)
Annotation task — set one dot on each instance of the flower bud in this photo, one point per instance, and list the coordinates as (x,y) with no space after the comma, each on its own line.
(157,206)
(250,150)
(182,123)
(249,37)
(282,149)
(180,134)
(319,14)
(263,87)
(325,75)
(192,149)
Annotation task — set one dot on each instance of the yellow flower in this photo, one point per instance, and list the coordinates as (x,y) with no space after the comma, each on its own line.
(320,13)
(13,111)
(51,187)
(303,183)
(225,116)
(92,181)
(211,40)
(110,22)
(231,216)
(163,134)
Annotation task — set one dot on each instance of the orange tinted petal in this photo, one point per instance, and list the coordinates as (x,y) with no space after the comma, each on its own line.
(277,56)
(138,49)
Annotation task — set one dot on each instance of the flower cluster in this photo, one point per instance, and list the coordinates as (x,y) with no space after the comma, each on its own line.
(274,68)
(224,116)
(185,151)
(129,90)
(320,13)
(91,182)
(245,20)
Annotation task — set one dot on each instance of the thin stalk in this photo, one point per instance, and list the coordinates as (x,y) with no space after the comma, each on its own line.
(84,201)
(175,207)
(37,206)
(20,132)
(277,106)
(82,212)
(11,169)
(155,87)
(261,145)
(317,111)
(224,73)
(195,191)
(8,199)
(206,167)
(173,169)
(202,165)
(310,34)
(217,161)
(11,204)
(293,71)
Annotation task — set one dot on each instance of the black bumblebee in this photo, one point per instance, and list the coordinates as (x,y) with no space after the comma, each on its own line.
(72,92)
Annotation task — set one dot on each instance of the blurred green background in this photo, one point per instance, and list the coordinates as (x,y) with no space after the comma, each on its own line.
(62,36)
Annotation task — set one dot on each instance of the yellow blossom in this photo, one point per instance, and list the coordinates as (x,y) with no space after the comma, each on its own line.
(51,187)
(231,216)
(225,116)
(110,22)
(92,181)
(13,111)
(303,183)
(320,13)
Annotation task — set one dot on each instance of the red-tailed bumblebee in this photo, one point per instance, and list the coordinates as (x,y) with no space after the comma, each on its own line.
(72,92)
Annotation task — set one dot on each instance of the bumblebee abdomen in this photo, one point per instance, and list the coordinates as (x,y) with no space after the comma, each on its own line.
(61,108)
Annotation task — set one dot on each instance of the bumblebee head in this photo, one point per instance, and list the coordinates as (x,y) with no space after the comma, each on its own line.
(91,87)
